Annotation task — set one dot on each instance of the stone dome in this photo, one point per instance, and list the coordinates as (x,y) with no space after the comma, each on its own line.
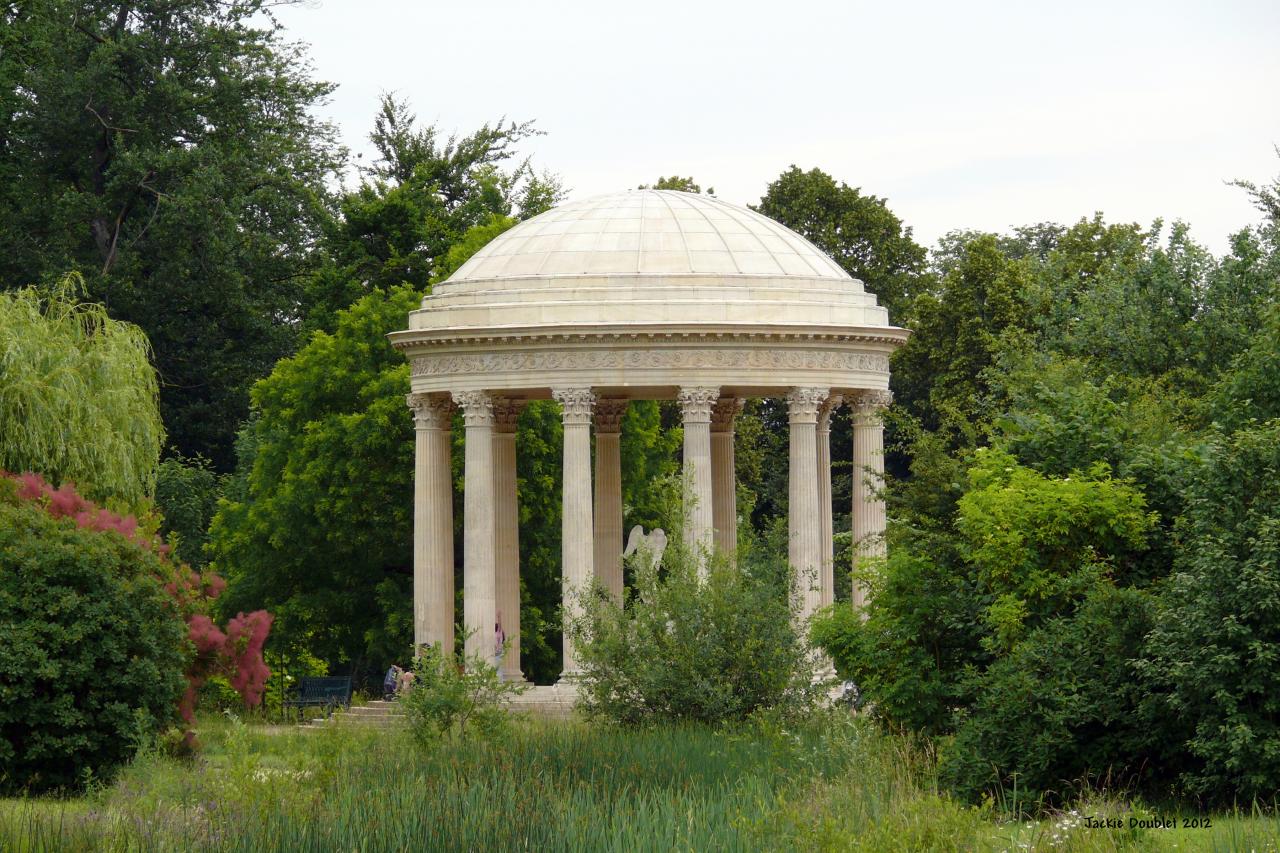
(647,257)
(649,232)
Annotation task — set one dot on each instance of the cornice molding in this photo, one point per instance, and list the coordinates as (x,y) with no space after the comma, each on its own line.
(435,338)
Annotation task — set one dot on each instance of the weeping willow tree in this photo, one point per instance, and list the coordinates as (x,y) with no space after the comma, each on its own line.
(78,394)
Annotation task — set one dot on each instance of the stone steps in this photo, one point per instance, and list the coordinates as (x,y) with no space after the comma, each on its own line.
(554,701)
(376,713)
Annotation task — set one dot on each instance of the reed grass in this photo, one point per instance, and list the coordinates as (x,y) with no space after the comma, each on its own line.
(831,783)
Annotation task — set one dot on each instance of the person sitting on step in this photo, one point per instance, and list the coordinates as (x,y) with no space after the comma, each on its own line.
(390,682)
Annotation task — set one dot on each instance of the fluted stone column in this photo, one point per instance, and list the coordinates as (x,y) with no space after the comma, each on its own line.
(827,570)
(724,484)
(432,521)
(577,540)
(695,406)
(804,524)
(868,480)
(608,491)
(507,531)
(479,582)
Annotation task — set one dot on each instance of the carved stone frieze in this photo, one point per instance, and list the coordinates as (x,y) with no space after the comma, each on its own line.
(656,359)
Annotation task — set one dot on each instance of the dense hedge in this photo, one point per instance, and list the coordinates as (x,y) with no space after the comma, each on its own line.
(1063,710)
(93,655)
(1216,643)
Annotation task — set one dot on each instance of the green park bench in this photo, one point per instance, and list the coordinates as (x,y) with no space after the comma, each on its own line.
(326,692)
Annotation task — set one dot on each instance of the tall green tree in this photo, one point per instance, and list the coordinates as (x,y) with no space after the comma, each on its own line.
(187,493)
(316,525)
(1129,302)
(1251,390)
(858,231)
(979,308)
(168,150)
(1024,241)
(422,194)
(1072,352)
(78,399)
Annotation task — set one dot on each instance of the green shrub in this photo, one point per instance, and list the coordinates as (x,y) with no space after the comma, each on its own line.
(1064,707)
(1024,549)
(922,633)
(684,648)
(1215,646)
(93,651)
(448,696)
(1039,544)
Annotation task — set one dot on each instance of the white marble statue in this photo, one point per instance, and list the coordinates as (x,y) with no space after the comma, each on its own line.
(653,543)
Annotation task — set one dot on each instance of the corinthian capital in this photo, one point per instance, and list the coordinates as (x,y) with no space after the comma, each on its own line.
(506,412)
(724,412)
(477,407)
(803,404)
(576,404)
(827,409)
(696,403)
(868,405)
(609,412)
(430,411)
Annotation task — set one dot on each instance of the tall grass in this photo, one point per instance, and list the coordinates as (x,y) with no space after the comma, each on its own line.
(833,783)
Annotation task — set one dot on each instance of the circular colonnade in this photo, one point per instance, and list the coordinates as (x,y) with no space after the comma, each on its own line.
(640,295)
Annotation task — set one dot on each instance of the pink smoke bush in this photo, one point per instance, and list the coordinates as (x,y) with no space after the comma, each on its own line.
(65,502)
(245,638)
(236,653)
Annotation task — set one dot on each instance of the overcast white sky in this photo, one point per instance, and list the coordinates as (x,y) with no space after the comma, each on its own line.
(962,114)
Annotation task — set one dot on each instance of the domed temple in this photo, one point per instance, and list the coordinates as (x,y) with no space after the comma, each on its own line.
(637,295)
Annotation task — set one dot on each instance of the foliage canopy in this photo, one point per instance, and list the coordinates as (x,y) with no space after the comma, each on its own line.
(857,231)
(169,152)
(78,394)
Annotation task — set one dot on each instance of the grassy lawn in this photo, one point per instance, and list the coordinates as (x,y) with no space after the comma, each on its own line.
(834,784)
